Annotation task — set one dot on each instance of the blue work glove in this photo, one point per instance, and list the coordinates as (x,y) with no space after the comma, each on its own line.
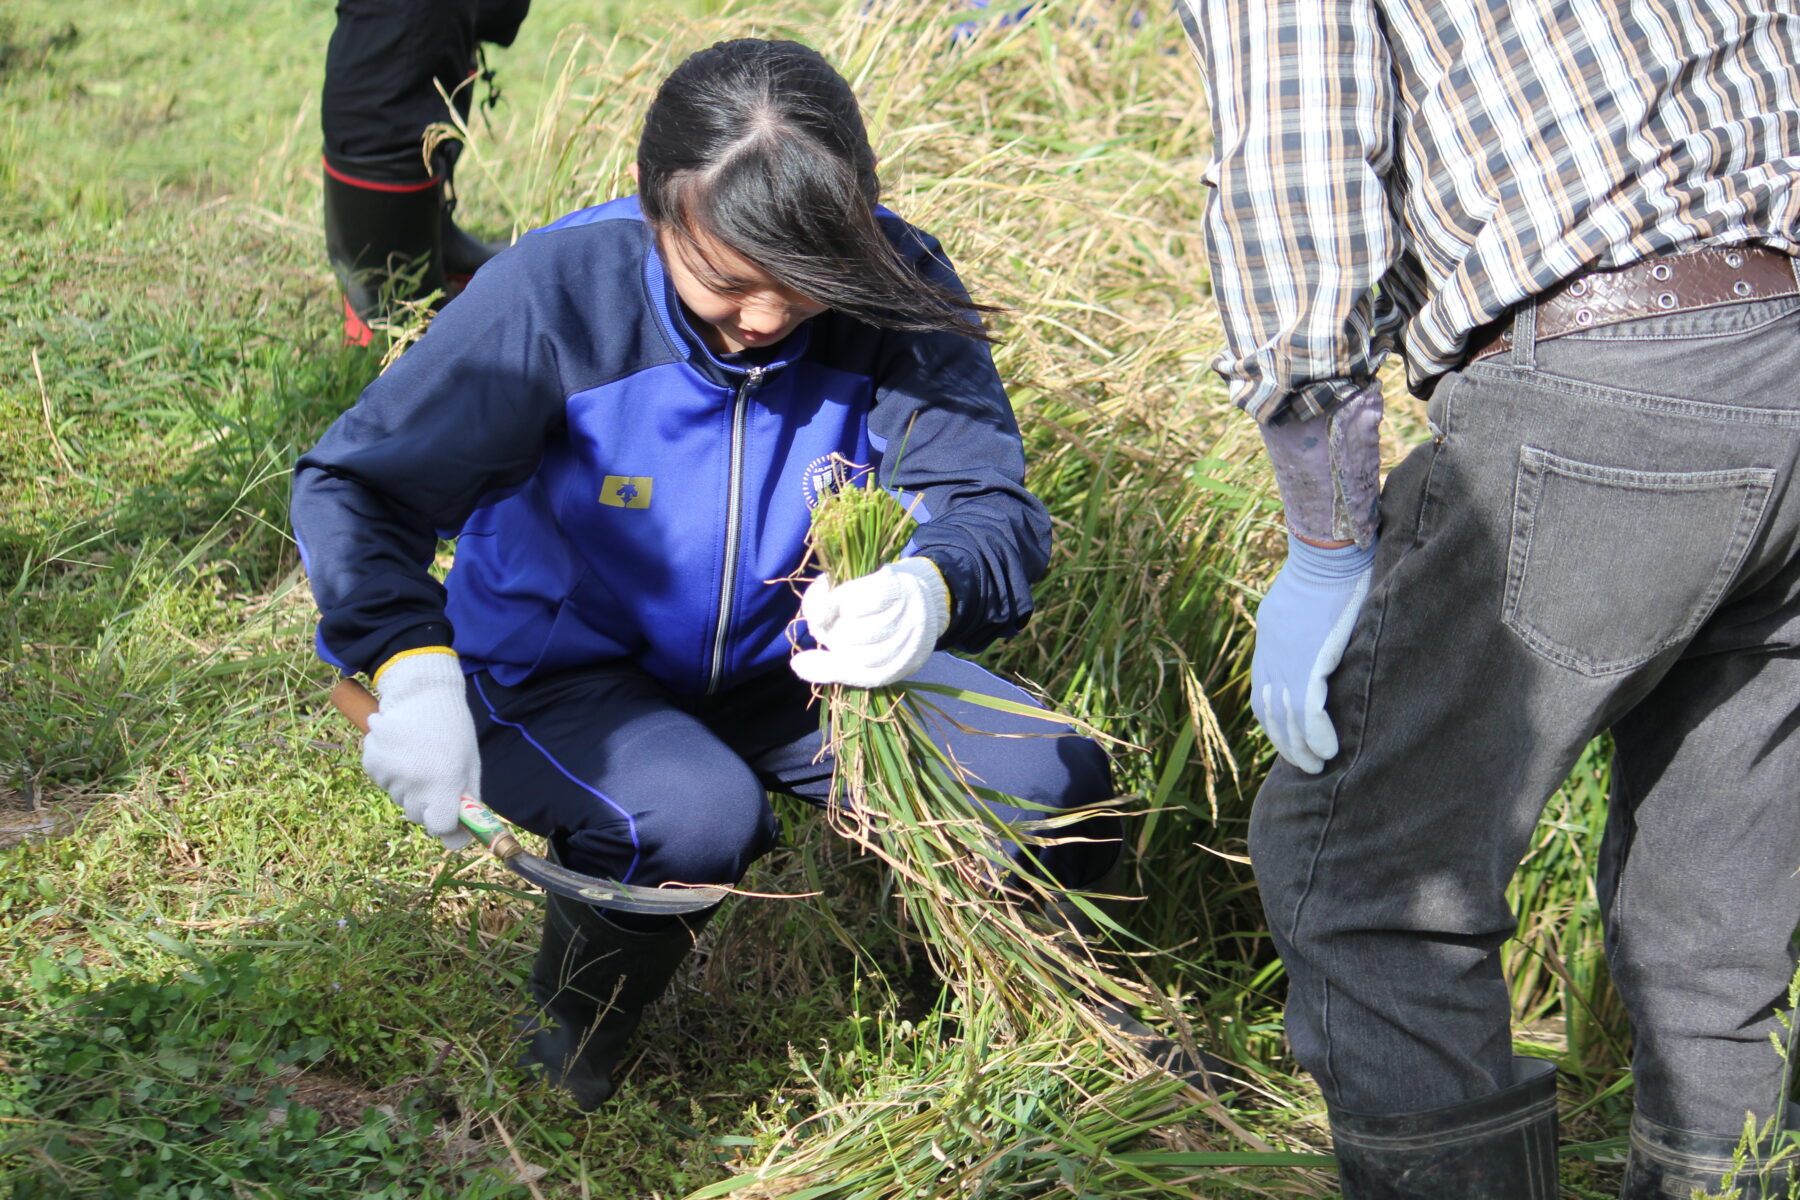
(1302,627)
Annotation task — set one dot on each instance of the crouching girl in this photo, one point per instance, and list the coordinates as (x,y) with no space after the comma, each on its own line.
(623,422)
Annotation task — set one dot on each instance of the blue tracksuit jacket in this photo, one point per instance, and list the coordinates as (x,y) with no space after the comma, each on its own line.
(618,491)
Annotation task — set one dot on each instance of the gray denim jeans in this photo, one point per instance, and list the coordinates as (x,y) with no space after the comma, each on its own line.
(1603,534)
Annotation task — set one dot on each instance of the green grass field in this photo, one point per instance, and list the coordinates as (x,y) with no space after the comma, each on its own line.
(232,970)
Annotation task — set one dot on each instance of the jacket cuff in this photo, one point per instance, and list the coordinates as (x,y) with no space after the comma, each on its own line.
(1328,468)
(962,591)
(417,637)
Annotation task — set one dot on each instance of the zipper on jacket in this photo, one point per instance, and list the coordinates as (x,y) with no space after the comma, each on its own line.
(740,414)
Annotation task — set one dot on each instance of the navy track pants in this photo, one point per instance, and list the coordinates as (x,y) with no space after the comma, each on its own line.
(633,782)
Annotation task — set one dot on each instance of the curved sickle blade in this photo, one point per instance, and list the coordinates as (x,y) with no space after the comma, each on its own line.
(620,897)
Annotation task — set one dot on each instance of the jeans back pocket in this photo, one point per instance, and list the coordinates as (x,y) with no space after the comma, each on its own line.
(1610,566)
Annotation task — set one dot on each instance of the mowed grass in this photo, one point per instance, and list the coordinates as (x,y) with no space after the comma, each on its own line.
(231,969)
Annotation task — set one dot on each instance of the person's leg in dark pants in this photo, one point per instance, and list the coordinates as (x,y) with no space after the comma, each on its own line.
(1701,901)
(608,765)
(1698,880)
(389,227)
(631,782)
(1384,877)
(1544,564)
(626,785)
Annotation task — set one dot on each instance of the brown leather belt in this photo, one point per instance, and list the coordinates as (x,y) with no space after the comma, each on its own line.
(1650,287)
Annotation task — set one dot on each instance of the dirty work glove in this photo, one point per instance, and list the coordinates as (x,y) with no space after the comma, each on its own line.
(875,629)
(1302,627)
(421,746)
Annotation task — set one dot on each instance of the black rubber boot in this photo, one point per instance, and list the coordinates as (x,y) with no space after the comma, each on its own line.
(591,982)
(1500,1147)
(1669,1164)
(384,224)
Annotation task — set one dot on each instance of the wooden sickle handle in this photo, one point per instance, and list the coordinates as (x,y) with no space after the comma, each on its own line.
(355,701)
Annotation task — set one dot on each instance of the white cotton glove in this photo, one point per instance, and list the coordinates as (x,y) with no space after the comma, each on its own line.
(1302,627)
(875,629)
(421,745)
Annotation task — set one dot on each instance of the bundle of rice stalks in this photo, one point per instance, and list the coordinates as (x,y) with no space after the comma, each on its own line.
(994,922)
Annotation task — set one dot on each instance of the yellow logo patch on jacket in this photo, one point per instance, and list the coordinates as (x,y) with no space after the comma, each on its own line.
(626,491)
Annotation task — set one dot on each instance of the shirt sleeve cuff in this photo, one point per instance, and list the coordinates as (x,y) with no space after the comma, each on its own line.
(1328,468)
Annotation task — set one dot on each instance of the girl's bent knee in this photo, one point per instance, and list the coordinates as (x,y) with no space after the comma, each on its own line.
(713,840)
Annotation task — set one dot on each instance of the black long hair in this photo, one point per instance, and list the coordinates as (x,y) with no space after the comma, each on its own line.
(761,145)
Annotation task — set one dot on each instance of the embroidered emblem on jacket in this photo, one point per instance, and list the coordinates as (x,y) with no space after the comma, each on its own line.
(829,473)
(626,491)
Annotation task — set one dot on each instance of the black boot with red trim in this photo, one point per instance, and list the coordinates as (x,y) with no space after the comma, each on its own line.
(384,220)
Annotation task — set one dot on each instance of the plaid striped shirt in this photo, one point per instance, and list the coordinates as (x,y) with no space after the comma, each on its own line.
(1401,172)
